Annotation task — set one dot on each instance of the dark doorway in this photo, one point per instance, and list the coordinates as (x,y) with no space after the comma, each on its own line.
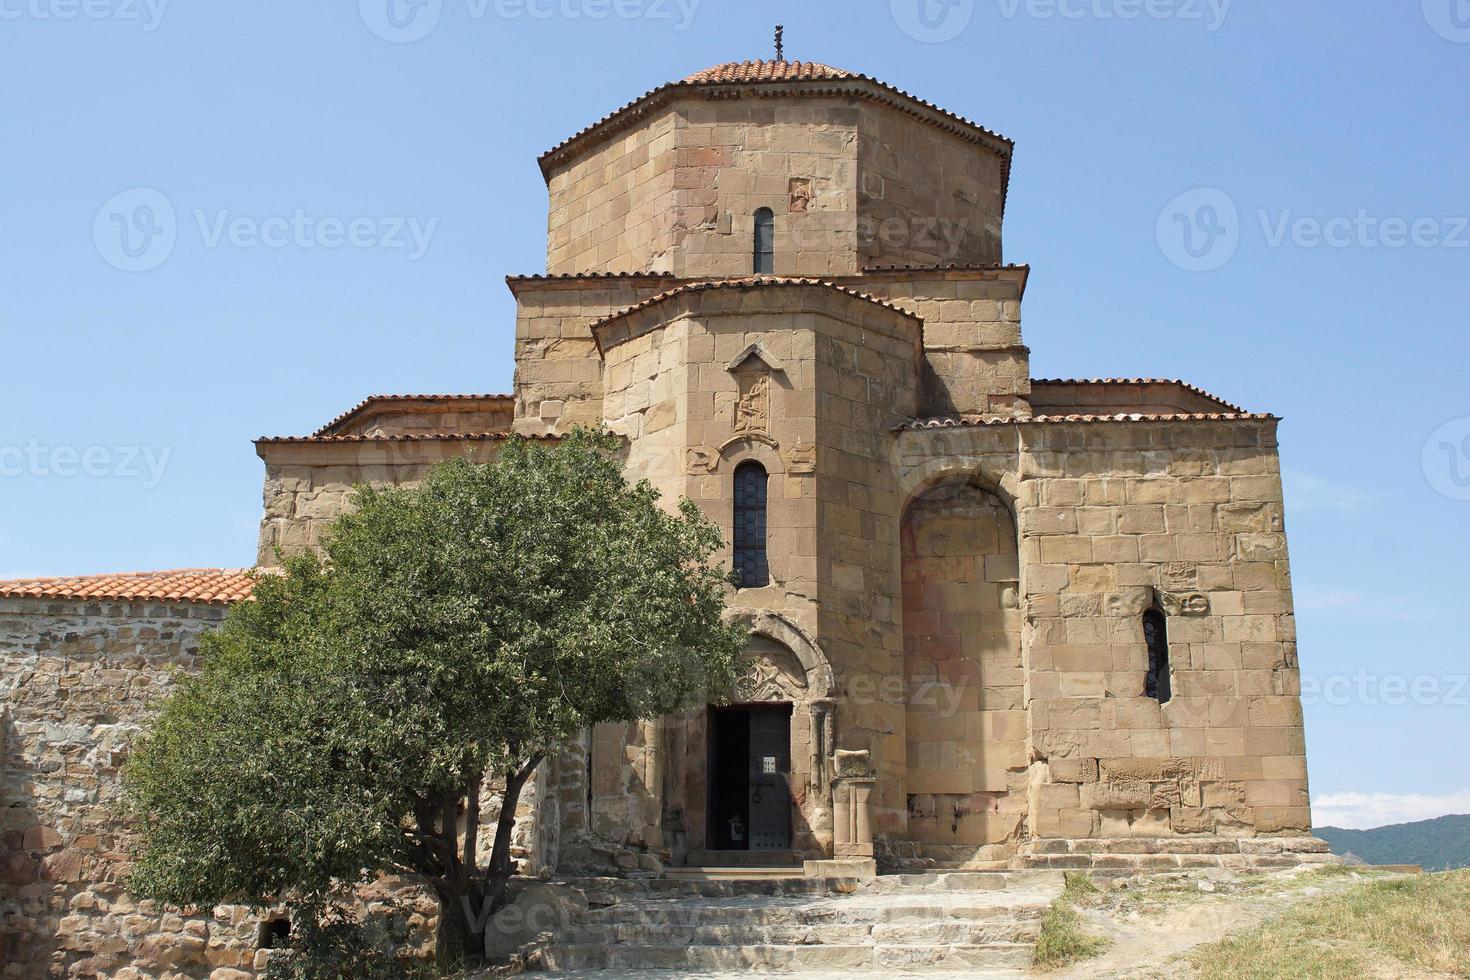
(749,786)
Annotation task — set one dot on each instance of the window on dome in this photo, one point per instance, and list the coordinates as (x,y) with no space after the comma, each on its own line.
(765,242)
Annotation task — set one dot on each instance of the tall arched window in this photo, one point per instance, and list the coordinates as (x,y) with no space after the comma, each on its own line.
(765,242)
(750,526)
(1156,638)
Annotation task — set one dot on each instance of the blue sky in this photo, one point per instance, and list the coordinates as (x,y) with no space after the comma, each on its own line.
(1314,153)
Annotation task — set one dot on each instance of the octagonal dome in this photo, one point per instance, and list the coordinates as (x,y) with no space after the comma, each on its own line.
(854,172)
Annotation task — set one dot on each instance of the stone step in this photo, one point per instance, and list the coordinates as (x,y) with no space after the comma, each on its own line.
(852,912)
(746,934)
(739,873)
(787,958)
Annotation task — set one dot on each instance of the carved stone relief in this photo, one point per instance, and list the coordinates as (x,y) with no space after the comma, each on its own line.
(702,460)
(801,458)
(753,410)
(800,194)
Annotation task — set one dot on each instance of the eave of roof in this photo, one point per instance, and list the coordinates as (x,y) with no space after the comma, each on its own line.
(400,437)
(747,282)
(640,107)
(966,421)
(206,586)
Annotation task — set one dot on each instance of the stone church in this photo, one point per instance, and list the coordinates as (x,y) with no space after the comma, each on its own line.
(996,621)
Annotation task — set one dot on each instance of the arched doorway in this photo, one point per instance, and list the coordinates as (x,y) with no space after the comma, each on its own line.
(756,785)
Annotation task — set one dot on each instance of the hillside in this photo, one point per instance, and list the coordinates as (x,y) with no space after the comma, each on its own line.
(1441,844)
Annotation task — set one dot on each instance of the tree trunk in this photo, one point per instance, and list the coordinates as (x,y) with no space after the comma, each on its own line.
(459,940)
(467,899)
(502,868)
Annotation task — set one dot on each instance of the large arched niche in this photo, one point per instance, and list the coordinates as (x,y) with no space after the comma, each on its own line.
(963,668)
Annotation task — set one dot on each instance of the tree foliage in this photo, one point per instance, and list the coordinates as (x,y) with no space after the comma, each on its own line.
(343,720)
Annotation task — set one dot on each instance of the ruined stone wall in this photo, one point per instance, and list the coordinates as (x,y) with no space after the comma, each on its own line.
(926,197)
(77,681)
(966,722)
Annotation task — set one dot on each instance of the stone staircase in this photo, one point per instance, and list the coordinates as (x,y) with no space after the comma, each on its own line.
(977,924)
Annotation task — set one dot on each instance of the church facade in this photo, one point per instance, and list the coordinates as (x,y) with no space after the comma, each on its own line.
(996,621)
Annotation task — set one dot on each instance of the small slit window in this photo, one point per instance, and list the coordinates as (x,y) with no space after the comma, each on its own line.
(765,242)
(750,526)
(1156,638)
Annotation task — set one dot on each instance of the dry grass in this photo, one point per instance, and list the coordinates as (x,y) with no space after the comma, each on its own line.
(1063,939)
(1396,927)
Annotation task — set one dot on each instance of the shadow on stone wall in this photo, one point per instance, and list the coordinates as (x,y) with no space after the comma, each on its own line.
(28,937)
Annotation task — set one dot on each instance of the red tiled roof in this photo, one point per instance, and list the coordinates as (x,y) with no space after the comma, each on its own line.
(1141,381)
(372,401)
(572,276)
(948,266)
(212,586)
(399,437)
(768,71)
(749,282)
(970,421)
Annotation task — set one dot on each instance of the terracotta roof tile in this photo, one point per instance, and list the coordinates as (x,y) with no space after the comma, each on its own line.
(211,586)
(399,437)
(1142,381)
(971,421)
(571,276)
(768,71)
(749,282)
(372,401)
(949,266)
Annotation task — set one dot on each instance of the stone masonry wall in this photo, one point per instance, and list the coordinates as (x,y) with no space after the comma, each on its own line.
(77,681)
(1115,517)
(925,197)
(308,485)
(966,724)
(610,209)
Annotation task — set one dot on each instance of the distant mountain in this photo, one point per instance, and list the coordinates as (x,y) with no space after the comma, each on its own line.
(1440,844)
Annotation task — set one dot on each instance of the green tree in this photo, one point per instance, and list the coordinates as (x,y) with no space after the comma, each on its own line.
(344,721)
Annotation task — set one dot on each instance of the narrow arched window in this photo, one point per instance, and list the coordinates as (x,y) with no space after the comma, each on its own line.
(1156,638)
(750,526)
(765,242)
